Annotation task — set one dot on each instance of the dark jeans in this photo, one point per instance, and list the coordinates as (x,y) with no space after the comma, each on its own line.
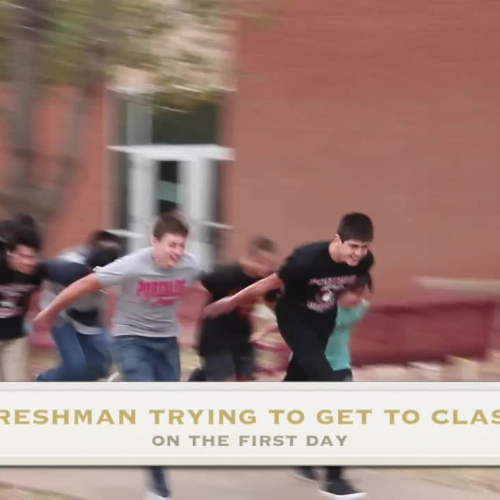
(307,339)
(84,358)
(334,472)
(308,362)
(148,359)
(230,363)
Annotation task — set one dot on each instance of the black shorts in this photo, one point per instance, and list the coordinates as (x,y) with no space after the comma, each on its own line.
(230,364)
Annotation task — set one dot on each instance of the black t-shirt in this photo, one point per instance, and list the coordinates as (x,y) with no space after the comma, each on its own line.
(16,290)
(231,330)
(312,281)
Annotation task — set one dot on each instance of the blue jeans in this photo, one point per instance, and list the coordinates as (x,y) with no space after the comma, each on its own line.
(148,359)
(84,358)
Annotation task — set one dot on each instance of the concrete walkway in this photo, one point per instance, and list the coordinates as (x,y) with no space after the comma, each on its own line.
(257,484)
(227,484)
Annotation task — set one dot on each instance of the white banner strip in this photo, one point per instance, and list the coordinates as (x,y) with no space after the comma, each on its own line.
(250,424)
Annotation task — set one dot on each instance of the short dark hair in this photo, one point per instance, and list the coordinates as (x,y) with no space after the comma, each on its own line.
(102,236)
(261,244)
(355,226)
(26,236)
(25,219)
(100,257)
(7,230)
(9,227)
(170,223)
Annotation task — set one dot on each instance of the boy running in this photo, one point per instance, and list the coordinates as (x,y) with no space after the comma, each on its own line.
(79,333)
(352,307)
(224,345)
(312,277)
(21,274)
(151,283)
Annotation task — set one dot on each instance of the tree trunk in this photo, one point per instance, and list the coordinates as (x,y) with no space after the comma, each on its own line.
(28,37)
(28,45)
(89,83)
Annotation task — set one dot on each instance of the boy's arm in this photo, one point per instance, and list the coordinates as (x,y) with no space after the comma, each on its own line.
(113,274)
(227,304)
(64,272)
(66,297)
(292,271)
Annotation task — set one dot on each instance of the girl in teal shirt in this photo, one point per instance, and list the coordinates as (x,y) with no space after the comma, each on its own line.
(351,308)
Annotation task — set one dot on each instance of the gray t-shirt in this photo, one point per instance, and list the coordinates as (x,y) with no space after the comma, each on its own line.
(148,294)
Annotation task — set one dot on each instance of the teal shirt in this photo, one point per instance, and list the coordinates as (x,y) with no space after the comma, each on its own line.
(337,350)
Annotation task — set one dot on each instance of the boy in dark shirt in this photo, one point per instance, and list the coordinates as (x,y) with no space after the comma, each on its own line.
(20,276)
(306,312)
(224,345)
(83,343)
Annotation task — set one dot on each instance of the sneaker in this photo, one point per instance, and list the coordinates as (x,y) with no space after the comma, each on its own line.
(305,473)
(197,375)
(341,489)
(154,496)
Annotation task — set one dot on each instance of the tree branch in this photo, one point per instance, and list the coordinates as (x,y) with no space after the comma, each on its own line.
(91,80)
(23,199)
(32,22)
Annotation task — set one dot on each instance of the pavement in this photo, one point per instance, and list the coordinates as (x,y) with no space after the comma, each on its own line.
(229,484)
(269,483)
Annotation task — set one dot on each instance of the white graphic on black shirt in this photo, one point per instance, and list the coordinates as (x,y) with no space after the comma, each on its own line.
(11,299)
(326,290)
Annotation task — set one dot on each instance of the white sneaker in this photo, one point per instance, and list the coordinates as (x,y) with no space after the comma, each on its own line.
(341,489)
(154,496)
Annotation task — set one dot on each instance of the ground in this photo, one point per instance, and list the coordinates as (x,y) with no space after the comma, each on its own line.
(472,480)
(10,492)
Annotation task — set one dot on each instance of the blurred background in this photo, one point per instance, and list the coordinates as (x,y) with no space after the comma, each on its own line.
(273,118)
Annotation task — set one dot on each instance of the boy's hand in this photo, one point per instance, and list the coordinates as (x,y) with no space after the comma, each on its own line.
(43,319)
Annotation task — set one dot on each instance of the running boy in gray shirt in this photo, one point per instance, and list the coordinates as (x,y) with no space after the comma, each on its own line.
(151,283)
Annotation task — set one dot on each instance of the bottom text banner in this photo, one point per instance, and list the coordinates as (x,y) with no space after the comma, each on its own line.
(250,424)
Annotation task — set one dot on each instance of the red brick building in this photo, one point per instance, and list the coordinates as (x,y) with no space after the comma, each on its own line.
(87,202)
(392,108)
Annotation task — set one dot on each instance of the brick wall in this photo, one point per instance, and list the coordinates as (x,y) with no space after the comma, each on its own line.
(83,208)
(391,108)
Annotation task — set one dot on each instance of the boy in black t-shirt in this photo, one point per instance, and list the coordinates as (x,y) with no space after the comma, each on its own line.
(311,278)
(224,345)
(20,277)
